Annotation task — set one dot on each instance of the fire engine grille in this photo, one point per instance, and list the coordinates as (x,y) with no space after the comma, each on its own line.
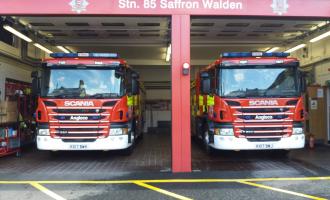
(79,123)
(263,131)
(79,129)
(79,135)
(264,139)
(96,117)
(78,140)
(263,128)
(79,132)
(262,110)
(263,114)
(75,111)
(255,117)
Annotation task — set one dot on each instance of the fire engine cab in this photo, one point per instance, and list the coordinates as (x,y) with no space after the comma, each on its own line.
(88,101)
(249,101)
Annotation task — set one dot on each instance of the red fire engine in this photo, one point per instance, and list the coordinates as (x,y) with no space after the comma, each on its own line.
(88,101)
(249,101)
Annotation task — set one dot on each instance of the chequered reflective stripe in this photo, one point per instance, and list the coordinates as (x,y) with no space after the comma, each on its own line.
(130,100)
(210,100)
(136,100)
(200,100)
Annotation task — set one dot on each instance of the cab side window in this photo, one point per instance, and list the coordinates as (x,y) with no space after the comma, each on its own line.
(213,80)
(128,81)
(217,81)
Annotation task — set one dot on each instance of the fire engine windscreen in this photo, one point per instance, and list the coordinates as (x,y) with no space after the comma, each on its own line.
(82,83)
(258,81)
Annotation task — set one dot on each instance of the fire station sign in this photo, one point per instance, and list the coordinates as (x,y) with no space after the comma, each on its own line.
(78,5)
(184,4)
(316,8)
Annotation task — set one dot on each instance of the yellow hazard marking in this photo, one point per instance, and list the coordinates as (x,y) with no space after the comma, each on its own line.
(281,190)
(46,191)
(171,194)
(166,180)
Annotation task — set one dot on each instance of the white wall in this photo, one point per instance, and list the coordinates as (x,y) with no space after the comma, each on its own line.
(34,52)
(11,68)
(317,57)
(14,70)
(156,74)
(10,50)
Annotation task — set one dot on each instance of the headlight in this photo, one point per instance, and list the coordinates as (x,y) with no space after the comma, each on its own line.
(297,131)
(224,131)
(118,131)
(43,132)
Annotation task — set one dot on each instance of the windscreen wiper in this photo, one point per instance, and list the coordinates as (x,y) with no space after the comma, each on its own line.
(104,95)
(241,96)
(58,96)
(235,96)
(64,96)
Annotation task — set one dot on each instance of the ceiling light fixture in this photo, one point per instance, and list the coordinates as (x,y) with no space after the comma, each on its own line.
(168,53)
(320,37)
(319,25)
(295,48)
(272,49)
(63,49)
(17,33)
(42,48)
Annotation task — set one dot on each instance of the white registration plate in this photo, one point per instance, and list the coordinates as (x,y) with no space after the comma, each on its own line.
(264,146)
(78,146)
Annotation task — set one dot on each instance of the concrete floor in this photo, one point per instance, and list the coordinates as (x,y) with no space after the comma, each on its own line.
(318,190)
(151,161)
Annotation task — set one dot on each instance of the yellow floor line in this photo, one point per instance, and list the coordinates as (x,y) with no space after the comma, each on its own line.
(235,180)
(171,194)
(47,191)
(164,180)
(69,182)
(281,190)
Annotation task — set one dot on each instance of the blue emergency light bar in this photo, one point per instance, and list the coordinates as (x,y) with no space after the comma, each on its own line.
(254,54)
(84,55)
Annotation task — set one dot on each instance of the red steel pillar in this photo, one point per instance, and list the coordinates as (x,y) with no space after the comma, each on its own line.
(181,142)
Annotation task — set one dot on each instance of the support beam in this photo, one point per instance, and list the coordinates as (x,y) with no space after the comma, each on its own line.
(181,144)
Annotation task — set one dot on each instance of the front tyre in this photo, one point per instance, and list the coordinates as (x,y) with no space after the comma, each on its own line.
(141,135)
(129,150)
(206,143)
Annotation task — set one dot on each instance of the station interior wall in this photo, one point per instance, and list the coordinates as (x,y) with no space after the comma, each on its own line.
(12,67)
(317,59)
(162,75)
